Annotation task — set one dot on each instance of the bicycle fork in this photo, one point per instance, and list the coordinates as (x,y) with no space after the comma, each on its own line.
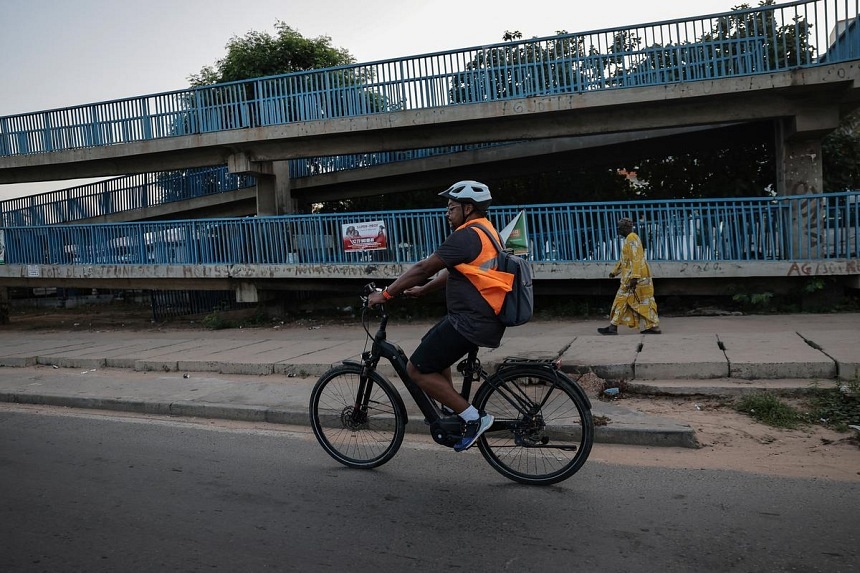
(356,417)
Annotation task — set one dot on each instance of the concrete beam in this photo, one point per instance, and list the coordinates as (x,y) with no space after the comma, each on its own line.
(815,121)
(242,163)
(204,276)
(240,203)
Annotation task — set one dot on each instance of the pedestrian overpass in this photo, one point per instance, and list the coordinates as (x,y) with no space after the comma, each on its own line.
(795,66)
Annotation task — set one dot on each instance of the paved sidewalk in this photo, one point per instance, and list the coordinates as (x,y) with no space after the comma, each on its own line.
(267,374)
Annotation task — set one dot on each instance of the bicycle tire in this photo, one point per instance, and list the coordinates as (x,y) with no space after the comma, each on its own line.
(358,439)
(543,430)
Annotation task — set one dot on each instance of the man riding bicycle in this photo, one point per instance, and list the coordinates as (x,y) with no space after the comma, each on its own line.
(461,265)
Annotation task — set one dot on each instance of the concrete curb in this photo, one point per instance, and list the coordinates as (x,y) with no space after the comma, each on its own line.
(644,431)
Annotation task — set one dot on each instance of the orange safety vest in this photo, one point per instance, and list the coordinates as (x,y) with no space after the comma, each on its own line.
(481,272)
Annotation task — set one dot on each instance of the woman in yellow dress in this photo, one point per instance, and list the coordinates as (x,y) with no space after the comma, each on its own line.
(634,303)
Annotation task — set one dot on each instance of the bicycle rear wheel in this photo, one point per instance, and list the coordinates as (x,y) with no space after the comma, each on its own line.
(360,423)
(543,429)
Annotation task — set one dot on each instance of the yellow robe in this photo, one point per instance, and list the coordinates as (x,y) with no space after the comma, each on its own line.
(634,307)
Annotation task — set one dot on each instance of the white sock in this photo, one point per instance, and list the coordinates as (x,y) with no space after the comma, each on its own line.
(469,414)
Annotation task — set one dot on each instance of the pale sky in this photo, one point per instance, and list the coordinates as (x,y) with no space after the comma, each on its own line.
(59,53)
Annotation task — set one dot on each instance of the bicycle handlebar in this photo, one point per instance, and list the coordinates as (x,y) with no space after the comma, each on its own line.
(383,313)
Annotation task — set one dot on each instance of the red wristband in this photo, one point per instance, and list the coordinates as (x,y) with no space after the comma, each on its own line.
(387,295)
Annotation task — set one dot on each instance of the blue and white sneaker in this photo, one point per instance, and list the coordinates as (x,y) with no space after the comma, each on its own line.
(473,431)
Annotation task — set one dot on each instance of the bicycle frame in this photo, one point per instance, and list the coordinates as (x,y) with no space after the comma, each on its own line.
(445,429)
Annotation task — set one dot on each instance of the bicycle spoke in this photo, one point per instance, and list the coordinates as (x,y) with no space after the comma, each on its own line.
(543,431)
(357,430)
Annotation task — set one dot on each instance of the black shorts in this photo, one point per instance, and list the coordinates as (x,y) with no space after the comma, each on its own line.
(441,347)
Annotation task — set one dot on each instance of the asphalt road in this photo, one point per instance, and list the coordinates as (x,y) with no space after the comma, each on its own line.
(97,492)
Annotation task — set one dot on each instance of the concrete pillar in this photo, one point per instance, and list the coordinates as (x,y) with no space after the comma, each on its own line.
(798,164)
(273,183)
(274,195)
(799,172)
(266,203)
(247,292)
(284,202)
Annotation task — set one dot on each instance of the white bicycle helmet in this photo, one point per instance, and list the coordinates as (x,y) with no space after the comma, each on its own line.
(472,192)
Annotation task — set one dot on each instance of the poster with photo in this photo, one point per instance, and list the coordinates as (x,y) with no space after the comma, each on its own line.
(367,236)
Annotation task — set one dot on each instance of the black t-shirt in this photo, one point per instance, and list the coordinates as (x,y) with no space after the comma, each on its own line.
(469,313)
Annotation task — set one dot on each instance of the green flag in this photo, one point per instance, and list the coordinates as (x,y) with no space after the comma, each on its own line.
(515,234)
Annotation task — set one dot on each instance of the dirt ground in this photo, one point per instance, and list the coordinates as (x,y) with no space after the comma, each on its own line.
(729,440)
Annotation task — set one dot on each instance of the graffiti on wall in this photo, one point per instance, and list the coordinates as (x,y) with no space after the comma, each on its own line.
(823,268)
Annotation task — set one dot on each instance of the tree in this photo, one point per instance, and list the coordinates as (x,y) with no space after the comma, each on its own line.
(841,156)
(274,97)
(259,54)
(742,169)
(526,68)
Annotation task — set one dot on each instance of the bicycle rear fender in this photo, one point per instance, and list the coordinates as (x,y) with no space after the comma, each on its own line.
(378,378)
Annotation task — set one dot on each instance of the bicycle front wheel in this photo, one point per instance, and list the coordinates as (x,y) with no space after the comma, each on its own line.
(359,421)
(543,429)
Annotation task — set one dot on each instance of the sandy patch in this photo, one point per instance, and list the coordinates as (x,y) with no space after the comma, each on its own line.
(733,441)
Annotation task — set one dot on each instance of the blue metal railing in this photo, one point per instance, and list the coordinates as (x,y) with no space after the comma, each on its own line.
(759,40)
(149,189)
(747,229)
(119,194)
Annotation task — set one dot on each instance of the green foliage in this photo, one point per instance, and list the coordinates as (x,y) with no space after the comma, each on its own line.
(837,407)
(260,54)
(781,43)
(813,285)
(756,301)
(217,321)
(519,76)
(770,410)
(840,153)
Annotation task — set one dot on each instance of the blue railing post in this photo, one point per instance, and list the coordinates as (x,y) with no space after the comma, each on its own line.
(47,142)
(5,138)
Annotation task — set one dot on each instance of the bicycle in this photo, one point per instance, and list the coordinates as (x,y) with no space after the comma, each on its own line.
(543,429)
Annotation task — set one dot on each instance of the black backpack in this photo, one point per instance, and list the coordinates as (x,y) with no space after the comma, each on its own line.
(518,307)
